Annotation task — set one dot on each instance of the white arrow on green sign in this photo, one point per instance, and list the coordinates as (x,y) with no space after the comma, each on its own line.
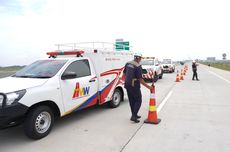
(122,46)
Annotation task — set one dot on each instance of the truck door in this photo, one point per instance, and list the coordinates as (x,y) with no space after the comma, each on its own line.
(79,92)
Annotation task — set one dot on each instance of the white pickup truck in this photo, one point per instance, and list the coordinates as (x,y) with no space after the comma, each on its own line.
(66,82)
(151,69)
(168,65)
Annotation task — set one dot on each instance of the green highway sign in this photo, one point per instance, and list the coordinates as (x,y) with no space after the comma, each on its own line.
(122,45)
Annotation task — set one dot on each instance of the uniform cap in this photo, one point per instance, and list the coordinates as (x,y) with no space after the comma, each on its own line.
(137,54)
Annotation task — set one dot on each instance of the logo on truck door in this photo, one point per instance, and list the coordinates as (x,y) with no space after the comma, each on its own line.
(80,92)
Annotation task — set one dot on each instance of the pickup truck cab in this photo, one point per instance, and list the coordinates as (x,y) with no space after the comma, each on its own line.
(151,69)
(66,82)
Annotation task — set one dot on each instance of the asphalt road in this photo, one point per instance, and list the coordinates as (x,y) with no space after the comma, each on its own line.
(194,117)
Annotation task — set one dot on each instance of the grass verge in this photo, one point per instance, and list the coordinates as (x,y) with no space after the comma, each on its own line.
(223,66)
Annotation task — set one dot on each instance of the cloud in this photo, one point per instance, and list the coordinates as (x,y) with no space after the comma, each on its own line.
(10,7)
(21,7)
(177,28)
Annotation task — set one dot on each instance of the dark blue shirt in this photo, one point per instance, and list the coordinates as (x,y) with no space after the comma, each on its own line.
(133,72)
(194,66)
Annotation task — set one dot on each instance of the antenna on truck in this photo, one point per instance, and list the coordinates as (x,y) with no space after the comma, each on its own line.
(88,47)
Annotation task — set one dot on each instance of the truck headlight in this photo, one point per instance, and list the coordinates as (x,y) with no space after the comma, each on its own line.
(14,97)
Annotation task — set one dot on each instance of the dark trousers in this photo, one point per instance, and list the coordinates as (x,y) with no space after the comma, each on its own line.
(135,99)
(195,75)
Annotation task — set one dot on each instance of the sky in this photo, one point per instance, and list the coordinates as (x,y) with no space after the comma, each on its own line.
(177,29)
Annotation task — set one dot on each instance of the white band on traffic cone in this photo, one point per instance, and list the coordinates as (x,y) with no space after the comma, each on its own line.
(152,96)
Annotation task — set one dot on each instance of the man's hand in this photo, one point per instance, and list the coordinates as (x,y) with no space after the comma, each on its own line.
(145,84)
(150,87)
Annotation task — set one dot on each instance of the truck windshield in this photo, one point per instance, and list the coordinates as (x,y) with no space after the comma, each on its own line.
(167,61)
(147,62)
(41,69)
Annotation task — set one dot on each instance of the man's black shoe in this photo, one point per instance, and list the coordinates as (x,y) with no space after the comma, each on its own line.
(134,119)
(138,117)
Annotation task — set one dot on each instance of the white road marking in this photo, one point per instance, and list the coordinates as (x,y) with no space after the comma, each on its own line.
(218,76)
(164,101)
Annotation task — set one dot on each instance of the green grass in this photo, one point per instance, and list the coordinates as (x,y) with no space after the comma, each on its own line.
(223,66)
(11,68)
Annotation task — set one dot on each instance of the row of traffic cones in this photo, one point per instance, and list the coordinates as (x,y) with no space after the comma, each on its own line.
(180,76)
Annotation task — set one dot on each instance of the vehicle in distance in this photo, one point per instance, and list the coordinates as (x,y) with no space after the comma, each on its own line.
(151,69)
(168,65)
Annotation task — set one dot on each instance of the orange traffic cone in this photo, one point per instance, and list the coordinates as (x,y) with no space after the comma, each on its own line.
(186,67)
(152,116)
(177,77)
(181,75)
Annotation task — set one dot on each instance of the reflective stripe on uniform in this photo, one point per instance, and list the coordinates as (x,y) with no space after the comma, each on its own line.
(133,81)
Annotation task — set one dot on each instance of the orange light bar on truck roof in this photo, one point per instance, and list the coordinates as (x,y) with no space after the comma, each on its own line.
(65,53)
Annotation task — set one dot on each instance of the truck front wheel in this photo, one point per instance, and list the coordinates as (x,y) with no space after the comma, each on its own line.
(155,77)
(117,97)
(39,122)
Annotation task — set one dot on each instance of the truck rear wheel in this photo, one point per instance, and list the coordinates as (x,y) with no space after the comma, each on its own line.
(117,97)
(39,122)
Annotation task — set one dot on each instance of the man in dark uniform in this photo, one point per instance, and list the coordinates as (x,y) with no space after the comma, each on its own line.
(133,78)
(194,70)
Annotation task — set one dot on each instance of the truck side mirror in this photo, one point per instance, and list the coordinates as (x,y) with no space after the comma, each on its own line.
(68,75)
